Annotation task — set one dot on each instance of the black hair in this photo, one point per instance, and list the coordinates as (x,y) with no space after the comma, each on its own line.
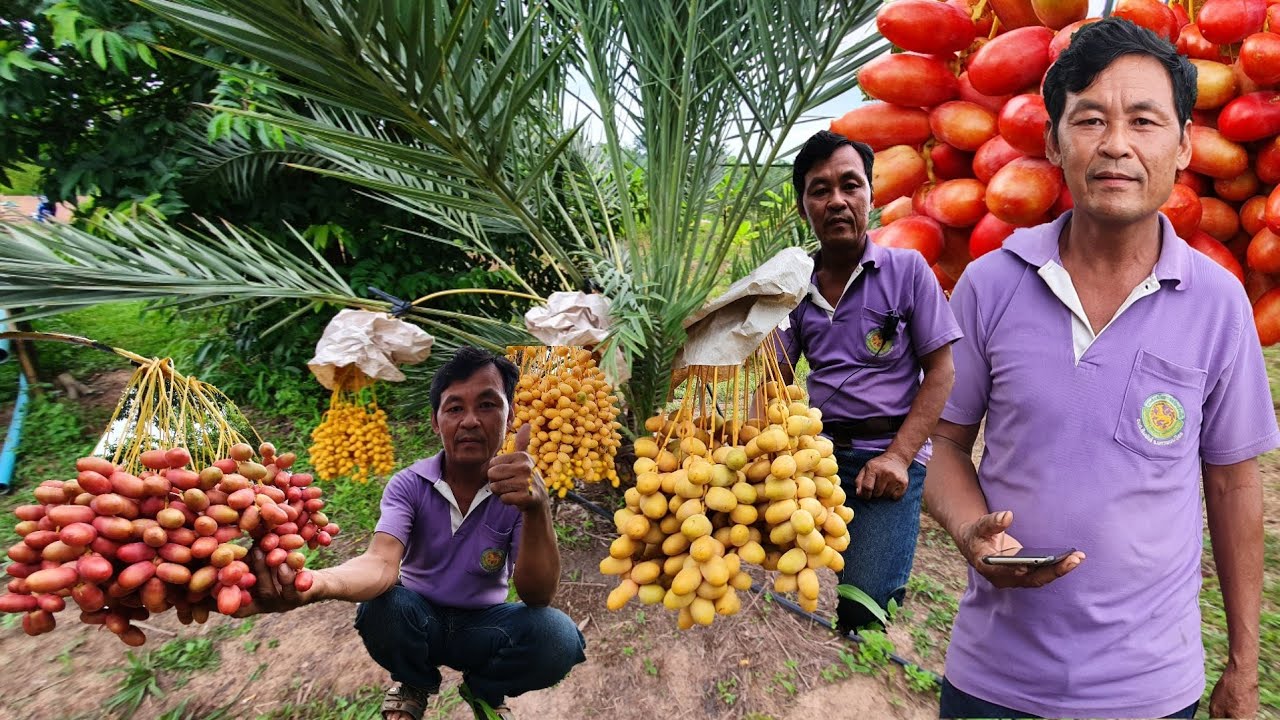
(821,146)
(1095,46)
(467,361)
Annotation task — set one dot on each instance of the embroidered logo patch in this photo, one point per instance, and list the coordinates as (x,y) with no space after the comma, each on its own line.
(492,559)
(1162,419)
(877,344)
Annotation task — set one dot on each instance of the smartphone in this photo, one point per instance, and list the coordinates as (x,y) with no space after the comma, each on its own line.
(1034,557)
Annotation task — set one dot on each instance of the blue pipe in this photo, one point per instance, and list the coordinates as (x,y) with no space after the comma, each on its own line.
(9,454)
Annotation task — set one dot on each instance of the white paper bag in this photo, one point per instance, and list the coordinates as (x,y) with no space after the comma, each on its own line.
(727,330)
(375,343)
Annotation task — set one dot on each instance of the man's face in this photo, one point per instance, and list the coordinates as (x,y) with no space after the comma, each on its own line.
(837,198)
(473,417)
(1119,142)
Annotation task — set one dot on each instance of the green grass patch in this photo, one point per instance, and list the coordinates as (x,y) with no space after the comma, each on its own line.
(129,326)
(1272,356)
(141,674)
(364,704)
(1214,634)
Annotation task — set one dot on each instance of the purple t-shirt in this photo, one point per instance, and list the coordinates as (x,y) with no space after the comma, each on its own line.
(848,379)
(1103,455)
(468,569)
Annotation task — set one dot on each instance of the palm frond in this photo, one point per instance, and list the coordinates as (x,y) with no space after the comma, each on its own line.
(241,165)
(51,268)
(454,110)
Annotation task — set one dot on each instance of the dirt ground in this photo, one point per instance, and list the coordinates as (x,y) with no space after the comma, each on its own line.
(763,662)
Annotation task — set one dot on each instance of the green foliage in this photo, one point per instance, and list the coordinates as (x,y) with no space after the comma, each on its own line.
(176,660)
(24,179)
(464,139)
(849,592)
(1214,630)
(92,104)
(365,704)
(186,655)
(727,691)
(871,655)
(53,424)
(138,682)
(921,680)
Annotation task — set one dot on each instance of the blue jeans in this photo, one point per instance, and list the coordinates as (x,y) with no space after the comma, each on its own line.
(502,651)
(882,539)
(956,703)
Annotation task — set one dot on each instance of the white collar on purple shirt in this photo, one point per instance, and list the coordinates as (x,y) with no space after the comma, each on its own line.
(432,469)
(1039,247)
(872,254)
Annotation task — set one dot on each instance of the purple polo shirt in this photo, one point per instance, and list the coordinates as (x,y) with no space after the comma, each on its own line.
(848,380)
(468,569)
(1102,455)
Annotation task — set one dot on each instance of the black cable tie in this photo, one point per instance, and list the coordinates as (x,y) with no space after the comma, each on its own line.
(399,308)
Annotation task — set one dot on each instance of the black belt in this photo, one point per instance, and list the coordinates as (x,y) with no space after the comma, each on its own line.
(844,431)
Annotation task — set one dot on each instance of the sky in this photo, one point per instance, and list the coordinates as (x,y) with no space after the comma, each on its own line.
(821,116)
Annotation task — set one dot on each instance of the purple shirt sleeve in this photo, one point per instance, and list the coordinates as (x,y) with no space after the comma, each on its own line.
(1239,415)
(932,322)
(968,401)
(397,508)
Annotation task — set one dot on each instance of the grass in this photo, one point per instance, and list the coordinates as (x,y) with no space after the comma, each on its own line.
(141,674)
(365,704)
(131,326)
(1272,357)
(1214,632)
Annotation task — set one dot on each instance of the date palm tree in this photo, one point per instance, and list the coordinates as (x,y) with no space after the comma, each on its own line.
(632,144)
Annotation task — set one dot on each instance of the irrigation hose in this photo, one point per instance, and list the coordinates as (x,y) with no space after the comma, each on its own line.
(786,604)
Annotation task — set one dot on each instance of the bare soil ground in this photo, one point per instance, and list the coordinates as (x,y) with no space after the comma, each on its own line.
(763,662)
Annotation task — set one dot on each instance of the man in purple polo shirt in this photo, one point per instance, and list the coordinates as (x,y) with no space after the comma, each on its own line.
(455,527)
(1113,365)
(877,333)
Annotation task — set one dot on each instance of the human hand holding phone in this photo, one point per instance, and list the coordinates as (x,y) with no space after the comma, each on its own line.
(987,537)
(1031,557)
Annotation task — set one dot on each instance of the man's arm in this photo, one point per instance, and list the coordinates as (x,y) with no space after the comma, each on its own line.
(514,481)
(951,492)
(537,572)
(954,498)
(886,476)
(1233,503)
(359,579)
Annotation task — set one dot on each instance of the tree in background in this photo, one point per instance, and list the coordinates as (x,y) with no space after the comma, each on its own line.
(145,132)
(455,112)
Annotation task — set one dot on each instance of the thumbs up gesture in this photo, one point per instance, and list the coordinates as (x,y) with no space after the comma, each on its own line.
(514,480)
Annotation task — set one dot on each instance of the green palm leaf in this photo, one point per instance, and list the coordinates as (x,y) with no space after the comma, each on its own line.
(456,110)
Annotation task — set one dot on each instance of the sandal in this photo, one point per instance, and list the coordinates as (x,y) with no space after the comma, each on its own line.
(481,708)
(405,699)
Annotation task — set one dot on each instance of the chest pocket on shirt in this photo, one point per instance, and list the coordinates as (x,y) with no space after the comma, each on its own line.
(872,348)
(492,550)
(1161,412)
